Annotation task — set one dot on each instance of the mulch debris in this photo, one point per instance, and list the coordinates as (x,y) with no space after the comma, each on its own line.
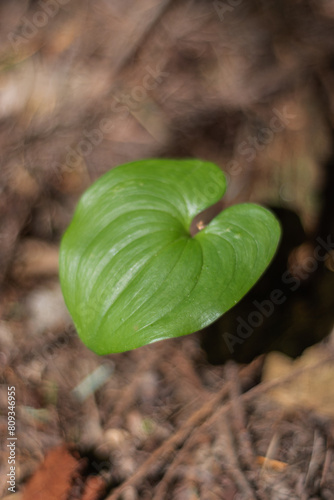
(91,85)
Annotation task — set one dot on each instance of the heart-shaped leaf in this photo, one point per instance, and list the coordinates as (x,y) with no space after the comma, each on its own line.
(130,271)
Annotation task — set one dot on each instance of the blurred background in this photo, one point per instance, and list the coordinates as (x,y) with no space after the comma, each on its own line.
(86,86)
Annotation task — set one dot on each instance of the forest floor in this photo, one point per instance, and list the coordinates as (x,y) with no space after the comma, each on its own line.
(159,422)
(86,86)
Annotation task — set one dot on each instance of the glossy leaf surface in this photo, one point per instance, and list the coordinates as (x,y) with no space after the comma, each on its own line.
(130,272)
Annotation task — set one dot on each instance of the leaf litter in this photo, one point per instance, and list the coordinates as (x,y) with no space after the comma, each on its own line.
(164,423)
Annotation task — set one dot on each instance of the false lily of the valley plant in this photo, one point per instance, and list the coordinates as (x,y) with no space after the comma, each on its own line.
(130,271)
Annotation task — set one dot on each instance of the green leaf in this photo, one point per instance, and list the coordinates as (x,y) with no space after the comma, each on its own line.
(131,273)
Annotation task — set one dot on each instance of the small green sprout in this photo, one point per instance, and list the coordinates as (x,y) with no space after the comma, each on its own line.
(130,271)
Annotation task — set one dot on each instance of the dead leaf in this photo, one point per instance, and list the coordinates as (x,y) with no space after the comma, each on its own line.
(312,389)
(53,479)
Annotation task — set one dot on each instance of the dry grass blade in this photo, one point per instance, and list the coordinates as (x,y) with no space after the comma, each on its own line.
(326,466)
(317,458)
(231,456)
(239,416)
(239,425)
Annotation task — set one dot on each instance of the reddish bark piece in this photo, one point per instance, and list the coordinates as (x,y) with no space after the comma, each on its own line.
(94,487)
(53,479)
